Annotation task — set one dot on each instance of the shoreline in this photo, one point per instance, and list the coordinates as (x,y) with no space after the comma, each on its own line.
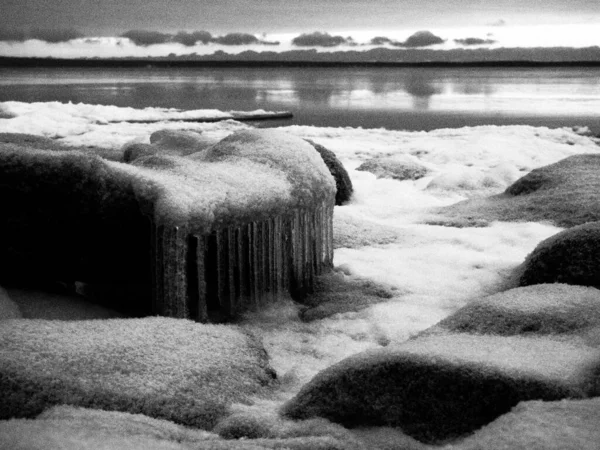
(208,61)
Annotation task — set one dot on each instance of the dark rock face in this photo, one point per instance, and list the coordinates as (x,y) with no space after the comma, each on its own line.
(343,183)
(70,219)
(571,256)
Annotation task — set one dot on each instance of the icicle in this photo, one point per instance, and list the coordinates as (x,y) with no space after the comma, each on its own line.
(174,299)
(180,262)
(279,239)
(232,265)
(272,261)
(201,279)
(223,273)
(254,244)
(158,273)
(242,267)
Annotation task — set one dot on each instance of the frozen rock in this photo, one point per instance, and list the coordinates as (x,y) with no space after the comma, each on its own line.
(571,256)
(343,183)
(264,427)
(30,140)
(135,150)
(335,293)
(543,309)
(164,368)
(182,141)
(74,428)
(252,215)
(440,387)
(560,425)
(398,167)
(353,231)
(564,193)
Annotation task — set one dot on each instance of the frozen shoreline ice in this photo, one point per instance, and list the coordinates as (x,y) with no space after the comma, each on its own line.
(434,269)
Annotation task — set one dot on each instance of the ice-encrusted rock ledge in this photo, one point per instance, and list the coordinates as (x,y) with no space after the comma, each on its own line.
(205,234)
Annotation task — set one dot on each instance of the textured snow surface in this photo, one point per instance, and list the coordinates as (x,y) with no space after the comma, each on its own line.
(380,234)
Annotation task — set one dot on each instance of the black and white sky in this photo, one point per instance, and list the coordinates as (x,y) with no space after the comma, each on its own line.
(143,27)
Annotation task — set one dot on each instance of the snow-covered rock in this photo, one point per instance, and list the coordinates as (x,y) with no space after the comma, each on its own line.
(171,369)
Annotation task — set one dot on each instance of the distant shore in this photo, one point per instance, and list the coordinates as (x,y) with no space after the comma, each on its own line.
(7,61)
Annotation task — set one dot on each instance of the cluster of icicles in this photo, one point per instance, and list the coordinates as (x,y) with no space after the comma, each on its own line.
(213,277)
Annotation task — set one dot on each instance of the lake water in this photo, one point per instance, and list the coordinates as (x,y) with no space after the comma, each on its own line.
(393,98)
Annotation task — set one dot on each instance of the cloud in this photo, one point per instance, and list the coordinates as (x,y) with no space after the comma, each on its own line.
(498,23)
(236,39)
(474,41)
(146,38)
(318,39)
(190,39)
(48,35)
(241,39)
(380,40)
(420,39)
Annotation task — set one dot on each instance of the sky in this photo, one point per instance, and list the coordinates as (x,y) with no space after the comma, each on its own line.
(88,28)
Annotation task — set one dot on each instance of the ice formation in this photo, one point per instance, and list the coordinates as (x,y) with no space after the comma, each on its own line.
(230,227)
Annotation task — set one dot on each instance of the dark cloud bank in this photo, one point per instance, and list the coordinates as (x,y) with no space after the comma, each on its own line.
(142,38)
(407,55)
(418,39)
(146,38)
(318,39)
(474,41)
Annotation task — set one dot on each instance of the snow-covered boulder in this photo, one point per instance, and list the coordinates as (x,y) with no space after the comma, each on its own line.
(172,369)
(8,308)
(543,309)
(73,428)
(398,167)
(442,386)
(30,140)
(560,425)
(203,236)
(564,193)
(337,293)
(183,141)
(343,183)
(571,256)
(168,142)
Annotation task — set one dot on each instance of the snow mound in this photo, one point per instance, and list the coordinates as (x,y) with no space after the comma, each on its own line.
(564,193)
(539,309)
(571,256)
(560,425)
(399,167)
(440,387)
(164,368)
(73,428)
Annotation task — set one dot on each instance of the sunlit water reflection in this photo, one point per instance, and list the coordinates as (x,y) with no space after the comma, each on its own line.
(395,98)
